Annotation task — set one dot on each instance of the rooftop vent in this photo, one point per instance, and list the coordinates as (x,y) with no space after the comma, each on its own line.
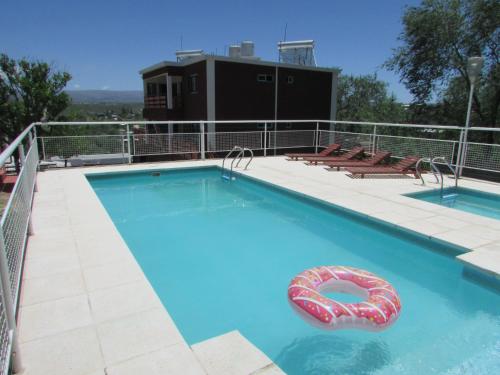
(235,51)
(300,52)
(246,50)
(187,54)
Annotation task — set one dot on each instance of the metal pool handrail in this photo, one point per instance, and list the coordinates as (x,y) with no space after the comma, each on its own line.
(443,159)
(434,169)
(235,148)
(242,155)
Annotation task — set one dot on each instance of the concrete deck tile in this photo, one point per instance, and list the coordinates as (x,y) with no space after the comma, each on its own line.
(100,250)
(462,238)
(446,221)
(486,232)
(40,222)
(408,212)
(138,334)
(230,354)
(490,247)
(176,359)
(43,244)
(122,300)
(42,289)
(424,227)
(113,274)
(486,261)
(49,318)
(269,370)
(43,266)
(49,197)
(391,217)
(47,210)
(74,352)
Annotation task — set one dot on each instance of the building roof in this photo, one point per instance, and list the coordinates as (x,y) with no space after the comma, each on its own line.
(194,60)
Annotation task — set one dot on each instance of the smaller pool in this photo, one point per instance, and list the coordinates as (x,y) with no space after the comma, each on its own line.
(474,201)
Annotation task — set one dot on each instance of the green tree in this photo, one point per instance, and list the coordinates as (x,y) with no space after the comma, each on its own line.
(365,98)
(437,39)
(29,91)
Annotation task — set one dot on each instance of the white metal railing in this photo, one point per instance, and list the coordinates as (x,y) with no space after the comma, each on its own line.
(15,225)
(424,140)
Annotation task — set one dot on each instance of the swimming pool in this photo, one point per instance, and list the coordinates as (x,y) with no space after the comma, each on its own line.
(220,256)
(474,201)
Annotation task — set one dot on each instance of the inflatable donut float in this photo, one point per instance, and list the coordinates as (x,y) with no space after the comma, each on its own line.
(379,309)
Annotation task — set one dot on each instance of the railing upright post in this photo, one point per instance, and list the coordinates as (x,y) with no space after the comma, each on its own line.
(202,140)
(461,155)
(265,139)
(129,146)
(275,135)
(22,155)
(374,139)
(316,141)
(9,305)
(42,141)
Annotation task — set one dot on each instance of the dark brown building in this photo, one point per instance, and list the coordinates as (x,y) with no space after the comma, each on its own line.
(207,87)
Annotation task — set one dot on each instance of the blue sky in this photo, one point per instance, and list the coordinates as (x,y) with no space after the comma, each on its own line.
(104,44)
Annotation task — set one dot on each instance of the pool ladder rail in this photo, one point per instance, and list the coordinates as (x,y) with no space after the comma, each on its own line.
(239,156)
(438,175)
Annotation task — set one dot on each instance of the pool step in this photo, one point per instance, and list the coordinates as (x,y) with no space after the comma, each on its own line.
(233,354)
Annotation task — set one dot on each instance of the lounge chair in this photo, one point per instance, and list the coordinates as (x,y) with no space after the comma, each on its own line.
(326,152)
(349,155)
(403,167)
(377,158)
(7,182)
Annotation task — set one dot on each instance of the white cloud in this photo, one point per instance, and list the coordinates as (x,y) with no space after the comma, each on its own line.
(76,86)
(105,88)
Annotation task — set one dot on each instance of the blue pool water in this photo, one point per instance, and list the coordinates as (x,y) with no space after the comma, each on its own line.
(474,201)
(221,254)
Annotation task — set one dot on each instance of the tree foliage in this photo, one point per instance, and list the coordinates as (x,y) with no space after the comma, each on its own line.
(29,91)
(365,98)
(437,39)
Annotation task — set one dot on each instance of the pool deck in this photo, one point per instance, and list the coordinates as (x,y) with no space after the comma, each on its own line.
(86,307)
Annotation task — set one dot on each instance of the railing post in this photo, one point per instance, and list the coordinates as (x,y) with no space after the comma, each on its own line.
(202,140)
(22,155)
(374,140)
(265,139)
(462,152)
(9,306)
(275,135)
(129,146)
(42,141)
(30,138)
(316,138)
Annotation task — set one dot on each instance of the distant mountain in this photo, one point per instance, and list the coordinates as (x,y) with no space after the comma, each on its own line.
(105,96)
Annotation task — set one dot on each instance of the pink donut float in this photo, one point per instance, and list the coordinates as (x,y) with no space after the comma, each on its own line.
(379,310)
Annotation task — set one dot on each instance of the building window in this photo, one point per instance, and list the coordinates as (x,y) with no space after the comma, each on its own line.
(162,89)
(193,83)
(151,89)
(265,78)
(290,80)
